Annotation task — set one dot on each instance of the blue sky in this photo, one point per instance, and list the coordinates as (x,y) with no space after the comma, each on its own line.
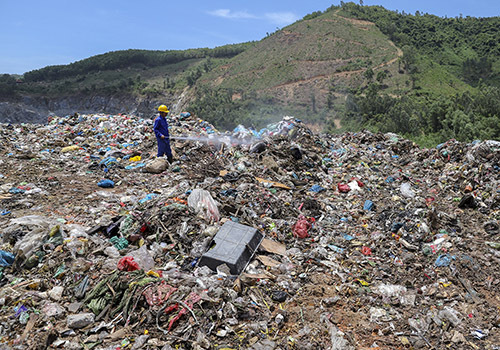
(35,34)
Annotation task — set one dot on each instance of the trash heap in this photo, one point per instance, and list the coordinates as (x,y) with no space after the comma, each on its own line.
(271,239)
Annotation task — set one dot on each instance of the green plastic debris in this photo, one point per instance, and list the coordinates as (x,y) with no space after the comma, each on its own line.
(126,225)
(176,206)
(495,245)
(24,317)
(60,271)
(98,304)
(426,250)
(119,242)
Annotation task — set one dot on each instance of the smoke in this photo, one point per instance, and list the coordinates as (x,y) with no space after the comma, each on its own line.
(217,139)
(241,135)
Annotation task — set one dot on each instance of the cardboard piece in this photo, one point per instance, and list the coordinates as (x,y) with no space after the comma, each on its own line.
(273,247)
(267,261)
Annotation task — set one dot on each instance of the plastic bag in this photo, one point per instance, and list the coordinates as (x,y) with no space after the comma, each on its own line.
(301,227)
(406,190)
(202,202)
(156,166)
(358,181)
(368,205)
(106,183)
(142,257)
(317,189)
(366,250)
(32,220)
(354,186)
(148,197)
(443,260)
(127,263)
(27,246)
(344,188)
(389,290)
(450,315)
(259,147)
(6,258)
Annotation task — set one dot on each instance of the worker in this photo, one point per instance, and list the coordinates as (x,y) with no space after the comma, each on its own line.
(161,132)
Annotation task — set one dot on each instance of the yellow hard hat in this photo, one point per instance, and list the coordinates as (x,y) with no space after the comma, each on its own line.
(163,108)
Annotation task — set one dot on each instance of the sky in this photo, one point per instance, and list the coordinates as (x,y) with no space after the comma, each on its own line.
(35,34)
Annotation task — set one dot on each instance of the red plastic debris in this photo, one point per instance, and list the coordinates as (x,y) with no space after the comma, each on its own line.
(301,227)
(158,294)
(366,251)
(344,188)
(127,263)
(429,200)
(192,299)
(171,308)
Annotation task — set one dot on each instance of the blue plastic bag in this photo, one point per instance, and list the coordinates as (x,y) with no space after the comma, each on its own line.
(106,183)
(443,260)
(317,189)
(6,258)
(148,197)
(368,205)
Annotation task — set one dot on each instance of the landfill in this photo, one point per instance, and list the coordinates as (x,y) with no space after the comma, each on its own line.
(278,238)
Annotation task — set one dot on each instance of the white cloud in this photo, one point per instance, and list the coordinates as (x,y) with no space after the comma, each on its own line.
(225,13)
(280,18)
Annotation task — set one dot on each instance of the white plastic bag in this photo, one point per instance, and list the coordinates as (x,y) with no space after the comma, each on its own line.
(406,190)
(202,202)
(143,258)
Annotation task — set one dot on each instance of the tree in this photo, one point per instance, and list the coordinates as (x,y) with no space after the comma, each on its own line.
(330,99)
(409,57)
(369,74)
(313,102)
(7,85)
(381,75)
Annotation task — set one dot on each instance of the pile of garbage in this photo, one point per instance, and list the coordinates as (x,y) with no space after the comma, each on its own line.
(272,239)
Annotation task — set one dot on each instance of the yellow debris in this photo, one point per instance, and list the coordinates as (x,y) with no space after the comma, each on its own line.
(70,148)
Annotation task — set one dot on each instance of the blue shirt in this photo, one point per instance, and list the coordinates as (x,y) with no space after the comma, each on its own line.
(161,127)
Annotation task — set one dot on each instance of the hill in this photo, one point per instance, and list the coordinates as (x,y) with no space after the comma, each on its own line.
(304,68)
(346,68)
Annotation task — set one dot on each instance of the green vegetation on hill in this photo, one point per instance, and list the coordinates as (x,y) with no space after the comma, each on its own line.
(453,64)
(144,72)
(130,59)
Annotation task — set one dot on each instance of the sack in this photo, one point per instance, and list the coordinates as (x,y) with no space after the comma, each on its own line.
(156,166)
